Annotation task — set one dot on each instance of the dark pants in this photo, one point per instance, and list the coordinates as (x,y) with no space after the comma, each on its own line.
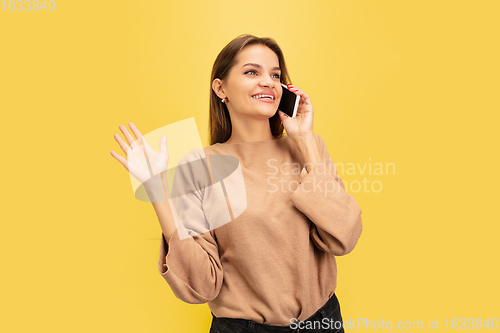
(327,319)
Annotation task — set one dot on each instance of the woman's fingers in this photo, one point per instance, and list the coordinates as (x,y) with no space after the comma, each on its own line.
(304,98)
(120,159)
(125,147)
(126,133)
(135,130)
(140,138)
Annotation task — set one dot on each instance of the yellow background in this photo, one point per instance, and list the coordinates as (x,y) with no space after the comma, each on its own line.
(410,83)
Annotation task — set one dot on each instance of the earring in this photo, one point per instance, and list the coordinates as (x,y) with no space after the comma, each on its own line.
(223,100)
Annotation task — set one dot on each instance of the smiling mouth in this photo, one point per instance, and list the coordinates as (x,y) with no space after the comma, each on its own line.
(266,97)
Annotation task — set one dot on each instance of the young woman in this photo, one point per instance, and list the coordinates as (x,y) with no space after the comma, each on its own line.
(271,268)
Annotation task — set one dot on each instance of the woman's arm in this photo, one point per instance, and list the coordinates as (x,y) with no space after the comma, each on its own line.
(189,257)
(191,266)
(310,151)
(157,193)
(321,196)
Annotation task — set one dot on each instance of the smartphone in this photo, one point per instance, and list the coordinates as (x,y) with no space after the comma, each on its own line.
(289,102)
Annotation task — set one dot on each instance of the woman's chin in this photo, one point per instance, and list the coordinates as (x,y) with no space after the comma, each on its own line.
(267,112)
(262,112)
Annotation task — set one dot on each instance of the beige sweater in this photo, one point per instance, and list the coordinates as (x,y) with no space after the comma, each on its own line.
(276,260)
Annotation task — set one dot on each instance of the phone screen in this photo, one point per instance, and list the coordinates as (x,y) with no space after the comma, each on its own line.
(289,102)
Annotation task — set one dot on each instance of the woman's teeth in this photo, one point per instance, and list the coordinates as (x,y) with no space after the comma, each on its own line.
(263,96)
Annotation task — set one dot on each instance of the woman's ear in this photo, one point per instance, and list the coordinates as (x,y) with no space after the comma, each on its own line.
(217,88)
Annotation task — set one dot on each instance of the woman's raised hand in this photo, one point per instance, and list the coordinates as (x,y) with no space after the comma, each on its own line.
(302,125)
(142,161)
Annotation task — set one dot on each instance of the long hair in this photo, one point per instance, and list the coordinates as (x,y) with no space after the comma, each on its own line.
(220,121)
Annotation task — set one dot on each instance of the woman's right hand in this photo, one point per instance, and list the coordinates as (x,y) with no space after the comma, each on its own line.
(142,161)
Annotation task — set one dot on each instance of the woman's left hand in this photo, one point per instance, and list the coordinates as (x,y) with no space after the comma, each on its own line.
(301,126)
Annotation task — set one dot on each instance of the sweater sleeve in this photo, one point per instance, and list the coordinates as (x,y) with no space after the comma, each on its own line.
(190,261)
(335,215)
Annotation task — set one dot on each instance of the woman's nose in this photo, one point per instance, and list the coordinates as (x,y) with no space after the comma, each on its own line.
(266,82)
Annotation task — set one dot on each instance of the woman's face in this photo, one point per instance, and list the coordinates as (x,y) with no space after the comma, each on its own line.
(255,73)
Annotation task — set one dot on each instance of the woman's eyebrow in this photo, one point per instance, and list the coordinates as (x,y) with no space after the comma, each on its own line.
(259,66)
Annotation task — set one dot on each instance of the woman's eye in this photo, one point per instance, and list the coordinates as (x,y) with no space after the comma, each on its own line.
(253,71)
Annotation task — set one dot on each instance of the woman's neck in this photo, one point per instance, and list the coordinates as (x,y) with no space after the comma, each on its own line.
(250,131)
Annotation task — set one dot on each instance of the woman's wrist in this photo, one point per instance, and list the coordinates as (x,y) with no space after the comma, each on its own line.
(309,150)
(156,188)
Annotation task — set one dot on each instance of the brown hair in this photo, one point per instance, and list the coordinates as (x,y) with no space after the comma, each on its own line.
(220,121)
